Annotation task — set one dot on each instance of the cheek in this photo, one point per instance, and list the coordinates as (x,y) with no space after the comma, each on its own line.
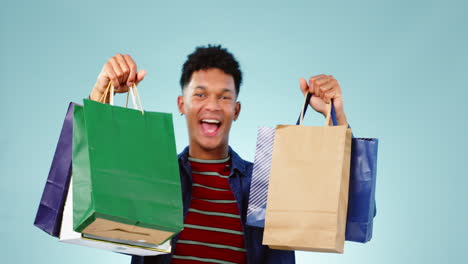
(187,106)
(192,116)
(191,108)
(229,110)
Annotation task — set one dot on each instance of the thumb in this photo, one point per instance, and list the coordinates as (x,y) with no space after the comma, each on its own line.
(140,76)
(303,85)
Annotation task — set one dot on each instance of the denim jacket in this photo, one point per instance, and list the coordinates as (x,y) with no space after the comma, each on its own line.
(239,180)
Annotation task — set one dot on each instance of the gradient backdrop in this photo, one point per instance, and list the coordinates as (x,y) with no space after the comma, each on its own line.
(402,66)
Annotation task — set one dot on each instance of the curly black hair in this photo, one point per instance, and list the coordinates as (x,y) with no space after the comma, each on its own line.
(211,56)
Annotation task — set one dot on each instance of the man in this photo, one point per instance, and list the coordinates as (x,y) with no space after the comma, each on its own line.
(215,180)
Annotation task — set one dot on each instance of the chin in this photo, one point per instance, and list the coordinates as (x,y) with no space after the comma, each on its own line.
(210,145)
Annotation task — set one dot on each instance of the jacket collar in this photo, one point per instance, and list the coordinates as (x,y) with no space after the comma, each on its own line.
(237,162)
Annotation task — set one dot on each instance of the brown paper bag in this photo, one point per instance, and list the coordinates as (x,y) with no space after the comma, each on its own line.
(308,190)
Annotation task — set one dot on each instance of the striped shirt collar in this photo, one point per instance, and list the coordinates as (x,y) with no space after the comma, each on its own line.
(238,164)
(209,161)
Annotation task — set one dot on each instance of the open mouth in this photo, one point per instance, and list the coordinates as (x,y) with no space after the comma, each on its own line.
(210,127)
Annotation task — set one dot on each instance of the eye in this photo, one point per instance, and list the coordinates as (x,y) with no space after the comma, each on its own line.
(199,95)
(225,97)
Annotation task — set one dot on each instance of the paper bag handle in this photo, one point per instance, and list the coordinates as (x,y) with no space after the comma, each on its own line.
(133,91)
(330,111)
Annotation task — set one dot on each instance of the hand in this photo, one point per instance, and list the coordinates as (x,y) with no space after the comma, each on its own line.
(121,70)
(324,88)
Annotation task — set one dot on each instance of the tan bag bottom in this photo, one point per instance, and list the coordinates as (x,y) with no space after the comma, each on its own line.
(111,229)
(307,249)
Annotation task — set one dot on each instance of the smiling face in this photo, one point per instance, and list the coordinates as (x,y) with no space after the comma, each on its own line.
(209,104)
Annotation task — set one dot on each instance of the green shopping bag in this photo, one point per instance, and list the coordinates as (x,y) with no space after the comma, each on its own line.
(126,182)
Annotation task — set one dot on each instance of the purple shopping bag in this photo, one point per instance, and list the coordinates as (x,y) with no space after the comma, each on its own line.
(49,213)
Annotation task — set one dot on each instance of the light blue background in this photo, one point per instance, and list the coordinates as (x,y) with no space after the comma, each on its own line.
(402,66)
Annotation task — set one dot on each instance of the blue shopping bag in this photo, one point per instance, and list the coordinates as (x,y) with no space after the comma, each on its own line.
(361,198)
(49,214)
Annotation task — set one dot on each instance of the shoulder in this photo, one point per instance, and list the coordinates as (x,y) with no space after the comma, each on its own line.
(243,166)
(184,153)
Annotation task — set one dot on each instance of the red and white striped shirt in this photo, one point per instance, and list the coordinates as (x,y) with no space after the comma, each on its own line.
(212,228)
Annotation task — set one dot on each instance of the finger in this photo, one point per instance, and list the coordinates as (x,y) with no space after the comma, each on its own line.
(312,84)
(125,69)
(333,93)
(324,84)
(111,75)
(328,96)
(133,70)
(317,83)
(303,85)
(326,87)
(124,66)
(323,80)
(103,79)
(335,83)
(118,72)
(140,76)
(313,78)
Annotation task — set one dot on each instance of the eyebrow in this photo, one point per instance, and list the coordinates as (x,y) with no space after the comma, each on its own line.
(204,88)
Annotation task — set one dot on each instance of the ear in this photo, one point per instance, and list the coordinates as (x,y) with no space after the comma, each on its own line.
(237,110)
(180,104)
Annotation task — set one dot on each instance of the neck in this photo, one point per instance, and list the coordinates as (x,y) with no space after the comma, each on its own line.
(199,152)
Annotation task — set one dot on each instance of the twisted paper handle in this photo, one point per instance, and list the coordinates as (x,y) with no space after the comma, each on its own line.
(133,91)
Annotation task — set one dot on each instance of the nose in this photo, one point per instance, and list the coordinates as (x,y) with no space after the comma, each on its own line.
(212,104)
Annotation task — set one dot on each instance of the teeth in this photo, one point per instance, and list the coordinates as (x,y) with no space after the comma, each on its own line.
(212,121)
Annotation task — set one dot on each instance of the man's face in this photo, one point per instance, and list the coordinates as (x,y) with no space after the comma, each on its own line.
(209,104)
